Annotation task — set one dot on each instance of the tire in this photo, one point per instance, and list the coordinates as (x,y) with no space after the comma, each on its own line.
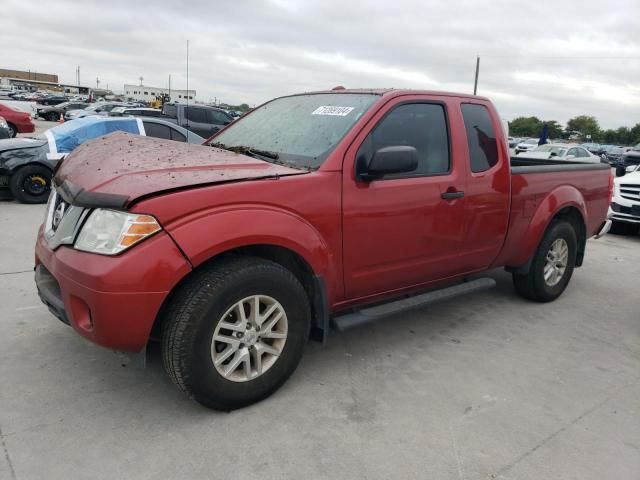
(31,184)
(533,285)
(197,310)
(53,116)
(13,131)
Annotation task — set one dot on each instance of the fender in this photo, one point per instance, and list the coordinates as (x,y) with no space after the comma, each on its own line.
(208,233)
(556,200)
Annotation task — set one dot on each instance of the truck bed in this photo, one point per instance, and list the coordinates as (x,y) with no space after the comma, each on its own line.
(537,165)
(537,186)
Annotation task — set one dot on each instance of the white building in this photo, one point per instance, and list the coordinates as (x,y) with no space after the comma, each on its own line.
(145,94)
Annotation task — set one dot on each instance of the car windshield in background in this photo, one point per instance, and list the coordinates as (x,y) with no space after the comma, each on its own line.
(302,130)
(551,149)
(531,141)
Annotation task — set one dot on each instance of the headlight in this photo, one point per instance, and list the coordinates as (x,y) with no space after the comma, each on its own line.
(110,232)
(3,123)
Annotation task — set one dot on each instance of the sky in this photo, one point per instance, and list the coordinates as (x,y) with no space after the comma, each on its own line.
(552,59)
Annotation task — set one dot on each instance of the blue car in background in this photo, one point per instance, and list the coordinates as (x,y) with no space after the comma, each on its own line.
(27,164)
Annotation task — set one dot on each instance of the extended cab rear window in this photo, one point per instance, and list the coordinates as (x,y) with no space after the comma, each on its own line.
(481,138)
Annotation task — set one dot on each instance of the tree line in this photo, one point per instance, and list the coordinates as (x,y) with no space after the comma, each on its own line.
(579,127)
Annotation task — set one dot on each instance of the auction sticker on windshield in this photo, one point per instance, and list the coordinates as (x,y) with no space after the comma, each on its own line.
(337,111)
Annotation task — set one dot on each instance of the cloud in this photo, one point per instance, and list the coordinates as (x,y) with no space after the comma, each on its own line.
(551,59)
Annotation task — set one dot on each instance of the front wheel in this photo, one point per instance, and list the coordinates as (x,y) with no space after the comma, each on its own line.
(13,131)
(552,265)
(235,331)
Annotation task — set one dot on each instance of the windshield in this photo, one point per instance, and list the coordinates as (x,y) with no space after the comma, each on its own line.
(302,130)
(531,141)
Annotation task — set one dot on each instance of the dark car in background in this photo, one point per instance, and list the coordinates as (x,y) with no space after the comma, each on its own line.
(200,119)
(52,100)
(27,164)
(592,147)
(613,156)
(52,113)
(631,156)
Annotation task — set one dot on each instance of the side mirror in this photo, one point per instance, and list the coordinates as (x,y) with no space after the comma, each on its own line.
(388,160)
(621,171)
(553,154)
(226,122)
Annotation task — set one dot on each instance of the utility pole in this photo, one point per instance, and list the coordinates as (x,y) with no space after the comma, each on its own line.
(169,87)
(187,81)
(475,84)
(97,83)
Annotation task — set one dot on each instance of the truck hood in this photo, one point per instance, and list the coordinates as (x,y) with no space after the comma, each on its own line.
(115,170)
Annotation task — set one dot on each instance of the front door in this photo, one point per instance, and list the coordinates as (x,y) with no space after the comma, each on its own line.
(403,229)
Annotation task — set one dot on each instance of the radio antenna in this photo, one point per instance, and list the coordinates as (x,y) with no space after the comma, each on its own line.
(187,81)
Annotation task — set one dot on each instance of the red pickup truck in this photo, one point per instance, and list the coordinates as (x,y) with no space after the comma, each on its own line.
(334,207)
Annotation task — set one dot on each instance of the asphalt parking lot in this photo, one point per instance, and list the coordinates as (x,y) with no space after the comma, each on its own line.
(488,386)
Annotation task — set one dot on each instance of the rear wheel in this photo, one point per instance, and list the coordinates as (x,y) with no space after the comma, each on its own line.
(31,184)
(235,331)
(552,265)
(13,131)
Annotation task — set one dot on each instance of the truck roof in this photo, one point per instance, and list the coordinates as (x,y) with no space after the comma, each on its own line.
(393,92)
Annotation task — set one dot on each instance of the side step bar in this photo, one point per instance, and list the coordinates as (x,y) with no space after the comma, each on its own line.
(366,315)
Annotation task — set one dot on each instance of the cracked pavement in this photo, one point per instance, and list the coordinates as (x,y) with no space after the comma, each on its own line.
(488,386)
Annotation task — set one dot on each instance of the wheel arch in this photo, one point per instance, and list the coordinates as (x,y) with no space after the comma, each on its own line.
(313,283)
(14,168)
(565,203)
(12,125)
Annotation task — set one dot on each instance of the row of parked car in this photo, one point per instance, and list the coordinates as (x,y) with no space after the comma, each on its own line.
(587,152)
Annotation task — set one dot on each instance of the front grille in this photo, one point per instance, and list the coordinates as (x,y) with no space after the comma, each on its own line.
(62,221)
(617,208)
(630,192)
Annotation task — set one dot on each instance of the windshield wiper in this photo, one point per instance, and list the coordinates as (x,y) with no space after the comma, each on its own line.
(252,152)
(266,155)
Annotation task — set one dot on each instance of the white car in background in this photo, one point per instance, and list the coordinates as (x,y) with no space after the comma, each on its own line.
(527,145)
(562,152)
(625,207)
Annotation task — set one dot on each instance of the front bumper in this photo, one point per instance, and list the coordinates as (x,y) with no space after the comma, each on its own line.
(112,301)
(622,213)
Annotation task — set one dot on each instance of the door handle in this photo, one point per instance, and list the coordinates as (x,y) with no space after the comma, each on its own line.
(452,195)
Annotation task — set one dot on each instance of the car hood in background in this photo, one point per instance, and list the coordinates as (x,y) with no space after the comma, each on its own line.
(115,170)
(16,152)
(15,143)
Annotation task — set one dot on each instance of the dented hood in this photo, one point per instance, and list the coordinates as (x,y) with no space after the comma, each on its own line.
(115,170)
